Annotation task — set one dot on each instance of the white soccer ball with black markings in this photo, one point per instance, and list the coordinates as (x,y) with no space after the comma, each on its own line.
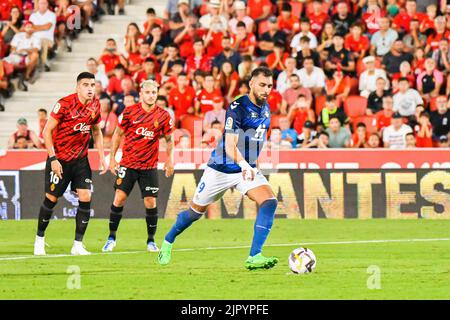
(302,260)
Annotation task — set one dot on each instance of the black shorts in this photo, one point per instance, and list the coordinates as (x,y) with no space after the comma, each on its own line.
(147,180)
(77,172)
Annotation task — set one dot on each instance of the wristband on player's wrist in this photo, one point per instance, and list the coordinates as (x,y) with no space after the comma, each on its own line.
(244,165)
(53,158)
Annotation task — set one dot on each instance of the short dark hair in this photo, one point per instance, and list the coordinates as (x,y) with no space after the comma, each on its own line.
(330,97)
(361,125)
(216,122)
(151,11)
(403,79)
(335,117)
(163,98)
(111,39)
(241,24)
(119,67)
(42,110)
(266,72)
(305,39)
(324,133)
(85,75)
(286,6)
(410,134)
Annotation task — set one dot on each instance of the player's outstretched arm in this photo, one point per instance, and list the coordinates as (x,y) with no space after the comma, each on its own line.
(116,140)
(50,126)
(98,141)
(168,165)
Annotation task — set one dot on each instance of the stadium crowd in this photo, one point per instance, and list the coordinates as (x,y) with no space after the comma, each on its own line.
(347,73)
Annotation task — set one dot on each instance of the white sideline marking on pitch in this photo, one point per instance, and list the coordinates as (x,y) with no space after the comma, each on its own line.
(233,247)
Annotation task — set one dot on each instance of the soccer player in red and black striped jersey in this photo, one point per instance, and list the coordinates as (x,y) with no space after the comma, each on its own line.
(141,125)
(66,137)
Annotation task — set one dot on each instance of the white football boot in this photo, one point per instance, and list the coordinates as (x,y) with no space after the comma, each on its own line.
(39,246)
(78,249)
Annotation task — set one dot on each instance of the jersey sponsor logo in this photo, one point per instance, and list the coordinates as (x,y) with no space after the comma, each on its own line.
(145,132)
(229,123)
(82,127)
(56,107)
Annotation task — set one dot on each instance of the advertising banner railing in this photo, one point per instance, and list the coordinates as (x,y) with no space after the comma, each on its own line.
(302,194)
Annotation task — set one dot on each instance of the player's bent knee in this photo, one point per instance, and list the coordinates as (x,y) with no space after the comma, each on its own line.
(199,209)
(84,195)
(120,198)
(52,198)
(150,202)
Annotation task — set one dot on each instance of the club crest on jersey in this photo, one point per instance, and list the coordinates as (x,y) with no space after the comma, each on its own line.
(119,182)
(156,123)
(56,107)
(82,127)
(229,123)
(145,132)
(93,115)
(52,187)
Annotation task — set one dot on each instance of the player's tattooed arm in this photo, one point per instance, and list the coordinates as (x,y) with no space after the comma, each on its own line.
(168,165)
(98,140)
(116,140)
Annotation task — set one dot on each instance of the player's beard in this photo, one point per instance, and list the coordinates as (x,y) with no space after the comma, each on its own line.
(260,101)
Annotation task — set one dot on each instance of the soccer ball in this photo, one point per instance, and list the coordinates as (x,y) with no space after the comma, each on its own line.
(302,260)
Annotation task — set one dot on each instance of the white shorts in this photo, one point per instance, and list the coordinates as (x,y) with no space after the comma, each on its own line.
(214,184)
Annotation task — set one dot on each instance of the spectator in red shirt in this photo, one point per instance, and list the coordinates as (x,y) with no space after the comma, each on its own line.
(152,20)
(338,86)
(402,20)
(243,42)
(274,101)
(384,116)
(227,81)
(277,60)
(405,72)
(360,137)
(148,72)
(135,61)
(371,16)
(300,112)
(424,131)
(356,41)
(182,97)
(317,18)
(374,141)
(198,60)
(115,82)
(427,24)
(110,57)
(185,38)
(286,20)
(204,99)
(259,10)
(440,33)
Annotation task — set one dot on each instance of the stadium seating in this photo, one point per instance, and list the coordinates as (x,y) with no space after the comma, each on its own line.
(355,106)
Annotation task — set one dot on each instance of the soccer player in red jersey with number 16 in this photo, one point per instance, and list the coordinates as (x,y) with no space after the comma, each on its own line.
(141,125)
(66,137)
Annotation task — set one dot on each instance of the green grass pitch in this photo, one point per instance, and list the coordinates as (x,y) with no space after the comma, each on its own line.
(408,269)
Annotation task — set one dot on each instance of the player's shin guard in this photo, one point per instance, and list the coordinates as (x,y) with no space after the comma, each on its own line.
(151,218)
(263,224)
(82,219)
(114,220)
(45,213)
(184,220)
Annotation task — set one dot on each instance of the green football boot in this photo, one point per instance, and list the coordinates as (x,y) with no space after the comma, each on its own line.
(165,253)
(260,262)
